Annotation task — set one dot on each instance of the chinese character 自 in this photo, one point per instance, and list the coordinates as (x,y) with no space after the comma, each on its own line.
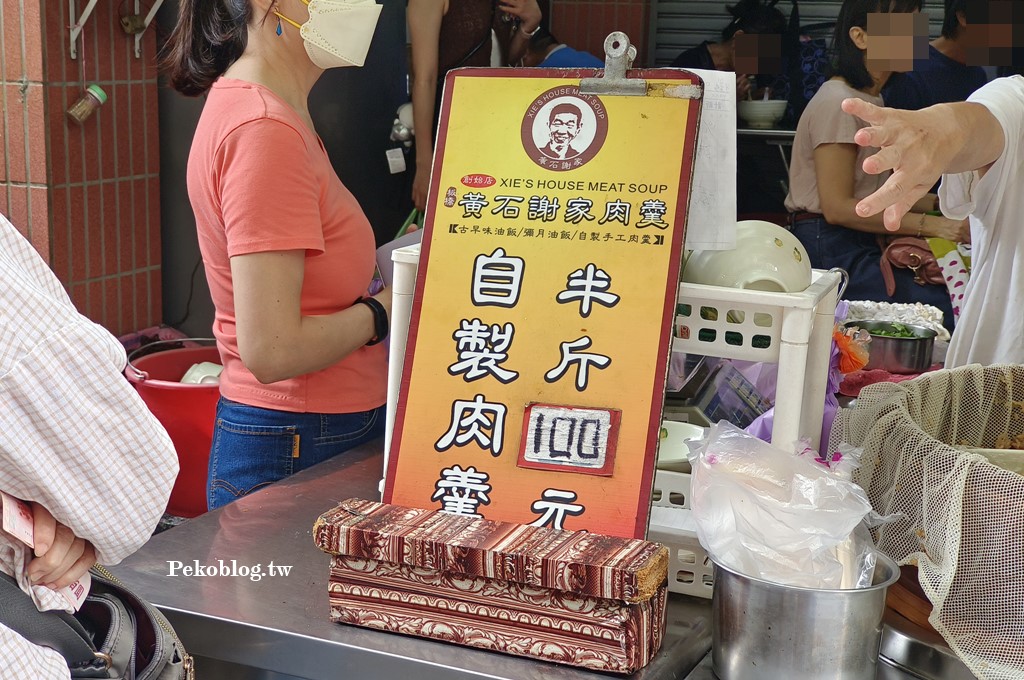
(497,279)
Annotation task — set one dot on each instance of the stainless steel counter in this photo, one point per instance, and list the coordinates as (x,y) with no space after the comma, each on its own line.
(885,671)
(277,627)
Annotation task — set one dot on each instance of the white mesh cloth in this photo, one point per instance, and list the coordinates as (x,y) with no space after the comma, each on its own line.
(964,517)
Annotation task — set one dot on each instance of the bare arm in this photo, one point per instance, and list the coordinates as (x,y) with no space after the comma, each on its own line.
(835,166)
(920,146)
(424,18)
(275,340)
(528,13)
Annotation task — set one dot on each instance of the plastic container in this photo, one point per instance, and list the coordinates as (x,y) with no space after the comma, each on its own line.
(768,630)
(187,412)
(91,99)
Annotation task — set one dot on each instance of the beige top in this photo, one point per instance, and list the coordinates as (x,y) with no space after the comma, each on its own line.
(823,122)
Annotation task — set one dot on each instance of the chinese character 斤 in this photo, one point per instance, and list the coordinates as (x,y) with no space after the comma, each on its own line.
(471,421)
(497,279)
(553,507)
(588,285)
(582,359)
(543,208)
(578,209)
(616,211)
(461,491)
(481,349)
(653,212)
(472,203)
(505,207)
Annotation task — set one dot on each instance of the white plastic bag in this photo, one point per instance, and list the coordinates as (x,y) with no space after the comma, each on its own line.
(782,516)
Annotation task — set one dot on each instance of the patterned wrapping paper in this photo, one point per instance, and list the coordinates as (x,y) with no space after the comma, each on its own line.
(628,570)
(570,628)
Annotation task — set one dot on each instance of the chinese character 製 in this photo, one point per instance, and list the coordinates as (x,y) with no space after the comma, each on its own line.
(583,360)
(588,285)
(482,349)
(477,420)
(497,279)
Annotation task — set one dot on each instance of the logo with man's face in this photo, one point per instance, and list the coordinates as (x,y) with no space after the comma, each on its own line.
(562,129)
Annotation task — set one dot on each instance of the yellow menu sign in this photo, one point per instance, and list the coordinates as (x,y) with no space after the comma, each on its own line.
(540,336)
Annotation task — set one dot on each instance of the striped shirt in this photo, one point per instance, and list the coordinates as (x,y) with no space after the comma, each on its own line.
(74,436)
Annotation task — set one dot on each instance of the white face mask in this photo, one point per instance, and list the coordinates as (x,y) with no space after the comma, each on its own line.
(338,32)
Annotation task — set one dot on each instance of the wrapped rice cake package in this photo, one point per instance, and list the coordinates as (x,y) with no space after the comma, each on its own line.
(583,599)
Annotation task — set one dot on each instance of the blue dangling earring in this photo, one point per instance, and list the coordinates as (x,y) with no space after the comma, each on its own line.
(279,26)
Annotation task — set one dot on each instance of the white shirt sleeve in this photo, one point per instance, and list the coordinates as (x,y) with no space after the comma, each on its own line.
(74,435)
(26,661)
(961,195)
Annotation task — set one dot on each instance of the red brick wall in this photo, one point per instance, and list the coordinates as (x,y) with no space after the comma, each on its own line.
(88,197)
(584,24)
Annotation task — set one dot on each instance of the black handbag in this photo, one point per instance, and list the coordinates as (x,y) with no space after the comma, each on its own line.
(115,635)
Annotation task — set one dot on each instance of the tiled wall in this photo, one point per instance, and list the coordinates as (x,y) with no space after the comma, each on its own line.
(584,24)
(86,196)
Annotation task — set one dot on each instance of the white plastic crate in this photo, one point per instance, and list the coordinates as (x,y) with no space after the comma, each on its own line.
(689,568)
(791,329)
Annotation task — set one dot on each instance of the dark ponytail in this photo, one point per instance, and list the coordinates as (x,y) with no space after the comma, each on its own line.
(210,36)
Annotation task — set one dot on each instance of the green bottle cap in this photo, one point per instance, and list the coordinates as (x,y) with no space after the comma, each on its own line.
(97,92)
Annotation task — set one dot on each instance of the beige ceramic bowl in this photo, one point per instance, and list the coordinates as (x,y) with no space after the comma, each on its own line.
(760,114)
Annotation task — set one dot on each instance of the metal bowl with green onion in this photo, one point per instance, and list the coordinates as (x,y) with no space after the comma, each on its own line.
(898,347)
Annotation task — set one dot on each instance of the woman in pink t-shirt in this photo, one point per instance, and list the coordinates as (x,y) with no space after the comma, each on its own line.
(288,252)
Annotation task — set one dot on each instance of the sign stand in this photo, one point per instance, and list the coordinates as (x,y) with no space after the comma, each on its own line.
(541,327)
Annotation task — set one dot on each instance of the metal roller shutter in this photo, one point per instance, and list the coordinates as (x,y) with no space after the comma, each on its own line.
(678,25)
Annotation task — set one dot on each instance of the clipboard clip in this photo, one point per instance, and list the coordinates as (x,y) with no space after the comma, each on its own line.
(619,54)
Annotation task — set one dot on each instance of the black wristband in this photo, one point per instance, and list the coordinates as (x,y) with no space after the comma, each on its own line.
(380,319)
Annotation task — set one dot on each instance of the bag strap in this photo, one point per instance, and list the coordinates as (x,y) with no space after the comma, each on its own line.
(57,630)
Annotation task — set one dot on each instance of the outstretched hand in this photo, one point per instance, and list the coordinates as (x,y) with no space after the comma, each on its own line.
(915,145)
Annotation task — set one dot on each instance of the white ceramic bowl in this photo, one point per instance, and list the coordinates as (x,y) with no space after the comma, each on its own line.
(761,114)
(767,257)
(674,447)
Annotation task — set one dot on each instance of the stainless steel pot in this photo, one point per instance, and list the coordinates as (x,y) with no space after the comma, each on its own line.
(898,355)
(764,630)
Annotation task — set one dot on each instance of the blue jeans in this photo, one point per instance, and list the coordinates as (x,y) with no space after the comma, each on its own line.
(859,254)
(253,447)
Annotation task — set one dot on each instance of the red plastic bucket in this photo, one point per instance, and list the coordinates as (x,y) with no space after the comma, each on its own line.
(187,412)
